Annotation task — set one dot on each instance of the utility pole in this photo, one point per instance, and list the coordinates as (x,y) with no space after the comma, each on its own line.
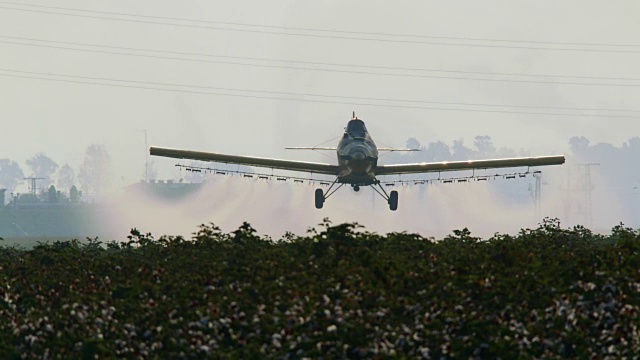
(581,189)
(146,156)
(568,203)
(587,187)
(32,184)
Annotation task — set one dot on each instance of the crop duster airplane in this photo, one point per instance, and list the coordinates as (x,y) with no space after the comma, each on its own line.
(357,163)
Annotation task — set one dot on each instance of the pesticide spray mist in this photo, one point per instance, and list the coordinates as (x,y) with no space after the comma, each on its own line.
(274,208)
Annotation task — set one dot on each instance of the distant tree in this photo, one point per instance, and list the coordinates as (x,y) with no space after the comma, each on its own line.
(631,155)
(579,145)
(437,151)
(505,152)
(66,177)
(461,152)
(633,144)
(95,171)
(523,152)
(52,195)
(10,174)
(485,146)
(413,143)
(42,166)
(74,194)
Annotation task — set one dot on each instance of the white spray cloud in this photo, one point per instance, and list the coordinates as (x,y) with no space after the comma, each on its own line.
(274,208)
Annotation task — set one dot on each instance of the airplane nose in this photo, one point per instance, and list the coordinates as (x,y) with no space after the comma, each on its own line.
(358,155)
(358,162)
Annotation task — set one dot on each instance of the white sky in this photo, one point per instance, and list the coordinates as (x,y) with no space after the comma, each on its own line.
(61,119)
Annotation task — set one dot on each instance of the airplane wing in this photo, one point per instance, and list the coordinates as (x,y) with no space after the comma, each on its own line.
(311,148)
(468,165)
(333,148)
(292,165)
(394,149)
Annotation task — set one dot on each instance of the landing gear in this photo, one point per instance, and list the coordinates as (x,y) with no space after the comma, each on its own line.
(392,197)
(393,200)
(319,198)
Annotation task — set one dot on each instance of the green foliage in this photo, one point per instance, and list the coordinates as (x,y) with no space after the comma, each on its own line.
(42,166)
(66,179)
(10,175)
(338,292)
(94,175)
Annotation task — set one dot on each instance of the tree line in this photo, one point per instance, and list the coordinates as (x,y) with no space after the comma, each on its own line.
(92,176)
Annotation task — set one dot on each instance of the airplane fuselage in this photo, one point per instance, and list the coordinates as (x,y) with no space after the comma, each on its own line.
(357,155)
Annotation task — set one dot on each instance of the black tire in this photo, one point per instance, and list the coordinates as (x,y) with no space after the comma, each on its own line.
(319,198)
(393,200)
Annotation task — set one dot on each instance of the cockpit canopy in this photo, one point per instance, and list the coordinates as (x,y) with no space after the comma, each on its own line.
(356,128)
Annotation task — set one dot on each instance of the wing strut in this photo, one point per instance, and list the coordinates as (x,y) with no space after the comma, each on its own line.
(329,192)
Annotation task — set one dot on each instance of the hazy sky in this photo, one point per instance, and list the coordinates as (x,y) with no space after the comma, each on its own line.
(461,39)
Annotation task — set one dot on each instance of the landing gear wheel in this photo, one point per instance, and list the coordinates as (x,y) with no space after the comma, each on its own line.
(356,188)
(393,200)
(319,198)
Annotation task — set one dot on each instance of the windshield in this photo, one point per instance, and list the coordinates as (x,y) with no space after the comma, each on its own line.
(356,128)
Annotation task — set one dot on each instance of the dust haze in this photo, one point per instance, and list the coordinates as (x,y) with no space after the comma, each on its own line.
(431,210)
(275,208)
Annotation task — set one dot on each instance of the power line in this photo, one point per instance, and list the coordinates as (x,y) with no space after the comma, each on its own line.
(297,99)
(318,69)
(314,62)
(316,95)
(320,30)
(341,37)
